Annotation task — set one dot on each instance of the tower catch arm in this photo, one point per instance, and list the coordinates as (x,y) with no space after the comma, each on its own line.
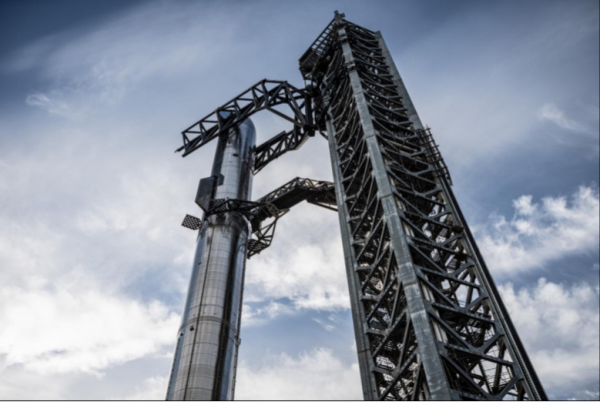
(272,206)
(265,95)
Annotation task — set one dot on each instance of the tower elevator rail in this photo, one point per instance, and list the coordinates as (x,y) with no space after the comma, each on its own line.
(434,154)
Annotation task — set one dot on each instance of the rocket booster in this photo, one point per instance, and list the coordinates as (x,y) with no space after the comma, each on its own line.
(207,342)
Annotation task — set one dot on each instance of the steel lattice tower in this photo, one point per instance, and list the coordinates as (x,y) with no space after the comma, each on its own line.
(428,318)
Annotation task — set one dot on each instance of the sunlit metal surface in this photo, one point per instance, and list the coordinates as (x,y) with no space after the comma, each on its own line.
(206,353)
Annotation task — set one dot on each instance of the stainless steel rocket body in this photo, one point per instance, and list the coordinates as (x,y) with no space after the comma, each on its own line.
(206,353)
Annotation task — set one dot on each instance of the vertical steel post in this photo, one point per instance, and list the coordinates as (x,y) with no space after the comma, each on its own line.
(207,346)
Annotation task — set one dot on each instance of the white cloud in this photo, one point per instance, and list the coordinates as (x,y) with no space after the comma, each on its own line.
(305,262)
(314,375)
(152,389)
(523,205)
(16,384)
(53,105)
(86,249)
(99,67)
(70,328)
(84,199)
(591,395)
(252,316)
(326,325)
(311,275)
(559,326)
(550,112)
(540,233)
(478,117)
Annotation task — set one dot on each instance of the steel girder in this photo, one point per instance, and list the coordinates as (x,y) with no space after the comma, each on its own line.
(313,191)
(273,148)
(264,95)
(264,212)
(429,321)
(278,203)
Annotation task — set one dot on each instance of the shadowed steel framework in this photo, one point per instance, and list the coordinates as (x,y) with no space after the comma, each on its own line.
(428,318)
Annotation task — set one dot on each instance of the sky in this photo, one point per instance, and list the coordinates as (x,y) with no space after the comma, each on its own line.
(94,262)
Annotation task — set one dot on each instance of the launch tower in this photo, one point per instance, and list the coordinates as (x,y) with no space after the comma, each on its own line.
(428,318)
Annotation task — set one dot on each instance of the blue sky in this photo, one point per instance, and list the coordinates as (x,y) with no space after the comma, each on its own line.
(93,96)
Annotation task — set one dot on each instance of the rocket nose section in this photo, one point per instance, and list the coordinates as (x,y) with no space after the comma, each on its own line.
(248,131)
(249,123)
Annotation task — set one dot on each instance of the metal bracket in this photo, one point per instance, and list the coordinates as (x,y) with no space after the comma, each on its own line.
(191,222)
(206,189)
(224,205)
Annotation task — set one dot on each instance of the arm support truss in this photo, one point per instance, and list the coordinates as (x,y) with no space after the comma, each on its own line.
(265,95)
(321,193)
(272,149)
(316,192)
(271,207)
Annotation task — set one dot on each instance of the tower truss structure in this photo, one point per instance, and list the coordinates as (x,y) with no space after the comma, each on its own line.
(428,318)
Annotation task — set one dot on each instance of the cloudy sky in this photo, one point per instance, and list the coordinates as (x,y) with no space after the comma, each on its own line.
(94,262)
